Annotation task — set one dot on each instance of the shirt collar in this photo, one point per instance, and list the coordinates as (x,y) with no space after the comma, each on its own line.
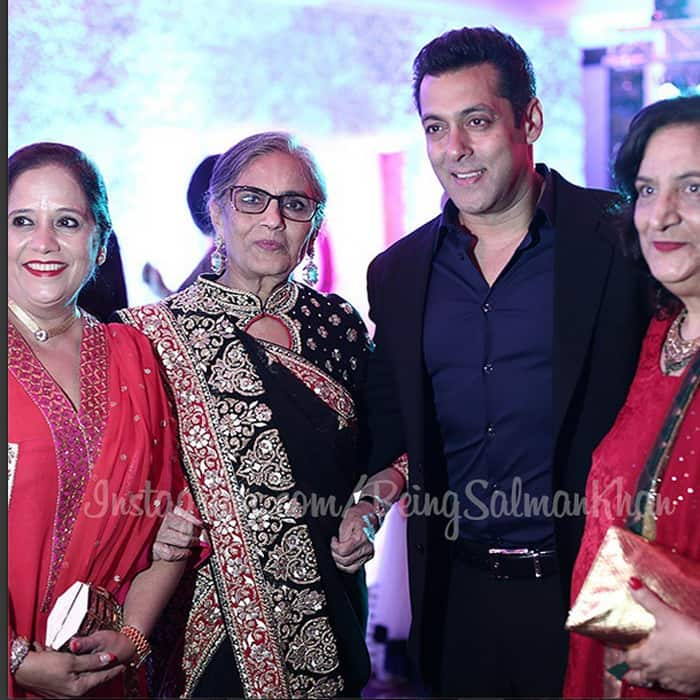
(543,214)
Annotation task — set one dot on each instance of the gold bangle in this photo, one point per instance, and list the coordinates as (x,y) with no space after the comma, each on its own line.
(138,639)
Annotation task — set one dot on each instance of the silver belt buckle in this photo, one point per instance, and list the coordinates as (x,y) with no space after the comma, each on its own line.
(522,550)
(537,564)
(495,564)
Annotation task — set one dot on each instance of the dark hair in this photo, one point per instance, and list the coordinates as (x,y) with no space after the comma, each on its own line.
(471,46)
(231,164)
(197,195)
(85,172)
(675,111)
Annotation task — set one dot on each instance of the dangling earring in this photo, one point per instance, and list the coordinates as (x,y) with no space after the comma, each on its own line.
(310,270)
(102,255)
(216,259)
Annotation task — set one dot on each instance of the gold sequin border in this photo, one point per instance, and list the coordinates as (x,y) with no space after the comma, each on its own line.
(263,653)
(331,392)
(204,632)
(258,658)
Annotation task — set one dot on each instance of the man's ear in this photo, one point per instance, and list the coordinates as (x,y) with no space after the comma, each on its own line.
(533,120)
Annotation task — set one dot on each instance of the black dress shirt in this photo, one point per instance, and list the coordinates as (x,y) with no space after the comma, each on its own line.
(488,352)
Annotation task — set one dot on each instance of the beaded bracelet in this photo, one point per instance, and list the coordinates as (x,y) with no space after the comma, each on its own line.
(137,638)
(369,529)
(19,649)
(380,506)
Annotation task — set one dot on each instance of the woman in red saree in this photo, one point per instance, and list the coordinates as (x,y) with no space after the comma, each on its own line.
(658,169)
(92,455)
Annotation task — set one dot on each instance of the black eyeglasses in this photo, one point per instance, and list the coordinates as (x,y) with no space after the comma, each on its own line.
(253,200)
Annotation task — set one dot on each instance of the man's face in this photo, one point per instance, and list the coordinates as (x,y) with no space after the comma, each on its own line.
(481,158)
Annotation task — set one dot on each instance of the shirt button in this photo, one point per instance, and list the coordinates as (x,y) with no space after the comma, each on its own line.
(486,307)
(488,368)
(490,431)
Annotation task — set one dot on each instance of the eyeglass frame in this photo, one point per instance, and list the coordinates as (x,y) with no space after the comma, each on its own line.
(277,197)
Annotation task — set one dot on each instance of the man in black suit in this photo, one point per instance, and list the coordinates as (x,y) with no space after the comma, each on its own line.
(507,334)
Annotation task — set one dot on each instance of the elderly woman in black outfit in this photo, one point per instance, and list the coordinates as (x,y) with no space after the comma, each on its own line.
(266,376)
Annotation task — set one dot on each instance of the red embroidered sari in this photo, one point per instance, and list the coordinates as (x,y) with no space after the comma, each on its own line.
(85,487)
(617,463)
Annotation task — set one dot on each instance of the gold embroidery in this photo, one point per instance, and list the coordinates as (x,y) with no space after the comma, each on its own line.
(204,632)
(239,307)
(307,687)
(293,605)
(238,421)
(266,515)
(293,559)
(314,649)
(234,372)
(332,393)
(232,455)
(266,463)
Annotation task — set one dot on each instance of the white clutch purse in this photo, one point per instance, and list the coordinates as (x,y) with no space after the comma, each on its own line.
(81,610)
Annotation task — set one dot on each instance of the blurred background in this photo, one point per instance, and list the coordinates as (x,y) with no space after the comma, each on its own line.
(148,88)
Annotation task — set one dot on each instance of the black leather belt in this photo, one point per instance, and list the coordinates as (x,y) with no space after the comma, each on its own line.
(506,563)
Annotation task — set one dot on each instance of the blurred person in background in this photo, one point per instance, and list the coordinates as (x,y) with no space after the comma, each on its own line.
(197,203)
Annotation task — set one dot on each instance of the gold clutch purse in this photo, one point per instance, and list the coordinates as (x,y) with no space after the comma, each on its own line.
(605,609)
(81,610)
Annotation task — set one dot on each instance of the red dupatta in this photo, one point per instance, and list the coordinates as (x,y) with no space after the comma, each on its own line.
(115,471)
(613,477)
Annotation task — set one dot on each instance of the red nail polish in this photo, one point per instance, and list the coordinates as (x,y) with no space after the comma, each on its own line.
(635,583)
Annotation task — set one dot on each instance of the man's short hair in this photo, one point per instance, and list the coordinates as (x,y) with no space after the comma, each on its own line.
(472,46)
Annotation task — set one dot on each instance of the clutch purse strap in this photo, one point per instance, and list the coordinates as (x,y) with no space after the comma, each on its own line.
(643,521)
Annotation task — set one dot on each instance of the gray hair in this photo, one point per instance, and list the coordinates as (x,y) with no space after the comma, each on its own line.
(233,162)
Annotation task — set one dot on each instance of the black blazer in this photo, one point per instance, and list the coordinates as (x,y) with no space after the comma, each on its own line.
(600,316)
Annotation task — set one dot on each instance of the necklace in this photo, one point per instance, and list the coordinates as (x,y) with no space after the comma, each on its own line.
(41,334)
(677,353)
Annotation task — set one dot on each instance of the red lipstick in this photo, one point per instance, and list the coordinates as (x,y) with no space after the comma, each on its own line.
(667,246)
(44,268)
